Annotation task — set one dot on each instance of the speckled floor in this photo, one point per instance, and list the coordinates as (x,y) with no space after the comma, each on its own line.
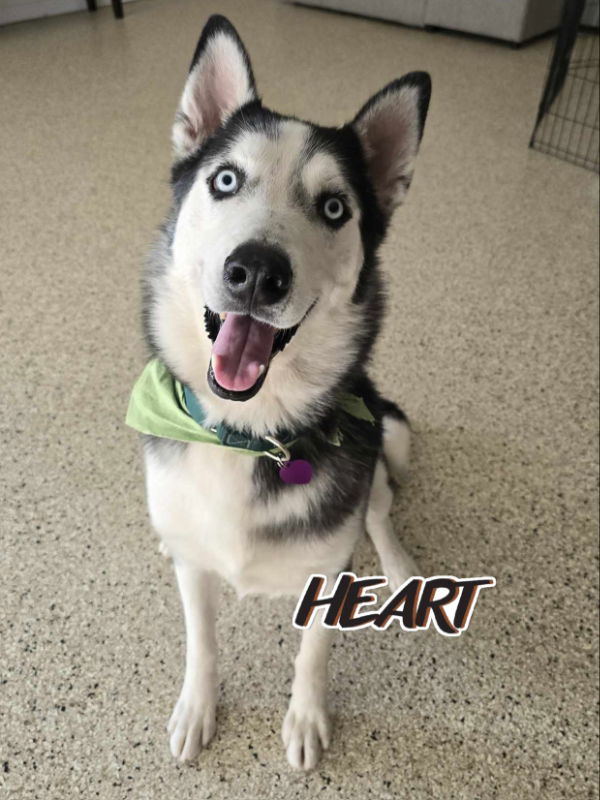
(491,347)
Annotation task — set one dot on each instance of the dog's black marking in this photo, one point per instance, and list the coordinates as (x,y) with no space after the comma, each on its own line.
(341,143)
(252,117)
(390,409)
(346,471)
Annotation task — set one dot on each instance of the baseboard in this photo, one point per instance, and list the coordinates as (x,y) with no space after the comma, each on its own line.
(20,10)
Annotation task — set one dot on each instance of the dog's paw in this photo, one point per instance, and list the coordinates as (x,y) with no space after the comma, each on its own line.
(192,724)
(306,732)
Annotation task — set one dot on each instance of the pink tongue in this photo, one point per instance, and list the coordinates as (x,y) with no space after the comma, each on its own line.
(241,348)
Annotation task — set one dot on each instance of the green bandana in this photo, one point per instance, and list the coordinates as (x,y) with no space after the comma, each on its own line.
(162,406)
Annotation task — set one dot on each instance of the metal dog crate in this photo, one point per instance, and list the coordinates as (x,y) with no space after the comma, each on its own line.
(567,120)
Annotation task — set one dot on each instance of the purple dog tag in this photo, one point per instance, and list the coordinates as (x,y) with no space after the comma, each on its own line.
(296,471)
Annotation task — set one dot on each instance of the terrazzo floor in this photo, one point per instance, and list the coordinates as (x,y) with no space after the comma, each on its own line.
(491,346)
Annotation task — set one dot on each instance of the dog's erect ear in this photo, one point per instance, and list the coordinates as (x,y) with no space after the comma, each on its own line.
(390,126)
(220,82)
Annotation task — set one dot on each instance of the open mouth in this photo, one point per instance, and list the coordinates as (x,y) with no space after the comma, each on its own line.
(242,351)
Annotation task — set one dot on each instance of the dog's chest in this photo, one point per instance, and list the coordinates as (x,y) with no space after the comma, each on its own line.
(203,504)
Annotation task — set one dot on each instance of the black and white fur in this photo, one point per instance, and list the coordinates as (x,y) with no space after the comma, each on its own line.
(222,515)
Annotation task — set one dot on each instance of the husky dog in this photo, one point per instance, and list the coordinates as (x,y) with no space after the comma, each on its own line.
(263,298)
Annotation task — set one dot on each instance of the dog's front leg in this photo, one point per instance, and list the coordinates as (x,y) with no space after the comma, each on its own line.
(396,563)
(193,722)
(306,727)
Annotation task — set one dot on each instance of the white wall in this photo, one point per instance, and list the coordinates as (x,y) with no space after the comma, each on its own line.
(17,10)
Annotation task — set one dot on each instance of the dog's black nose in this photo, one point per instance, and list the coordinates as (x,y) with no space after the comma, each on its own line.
(257,274)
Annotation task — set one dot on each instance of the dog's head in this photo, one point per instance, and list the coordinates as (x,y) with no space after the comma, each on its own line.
(267,285)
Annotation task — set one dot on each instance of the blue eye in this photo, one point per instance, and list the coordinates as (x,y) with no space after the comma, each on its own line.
(226,181)
(333,208)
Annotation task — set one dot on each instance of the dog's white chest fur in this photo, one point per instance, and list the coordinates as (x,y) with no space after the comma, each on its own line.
(203,505)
